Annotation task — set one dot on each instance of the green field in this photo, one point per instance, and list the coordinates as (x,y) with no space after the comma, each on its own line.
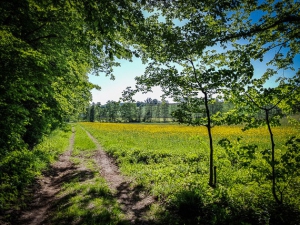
(171,162)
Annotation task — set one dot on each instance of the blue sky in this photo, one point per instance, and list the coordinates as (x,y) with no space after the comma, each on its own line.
(125,74)
(124,77)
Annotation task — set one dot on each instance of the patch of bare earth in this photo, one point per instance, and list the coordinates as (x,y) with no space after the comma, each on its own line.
(134,202)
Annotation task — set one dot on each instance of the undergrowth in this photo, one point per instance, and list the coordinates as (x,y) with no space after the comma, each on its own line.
(20,167)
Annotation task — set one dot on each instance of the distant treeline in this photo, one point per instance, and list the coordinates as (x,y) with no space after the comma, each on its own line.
(147,111)
(150,111)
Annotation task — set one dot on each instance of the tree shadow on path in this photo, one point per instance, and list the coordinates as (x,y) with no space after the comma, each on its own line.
(46,190)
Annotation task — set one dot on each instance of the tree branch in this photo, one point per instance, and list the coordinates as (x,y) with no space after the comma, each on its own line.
(282,97)
(195,75)
(43,37)
(262,27)
(254,102)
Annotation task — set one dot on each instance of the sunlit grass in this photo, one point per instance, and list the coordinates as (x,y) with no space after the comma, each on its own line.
(87,200)
(82,141)
(52,146)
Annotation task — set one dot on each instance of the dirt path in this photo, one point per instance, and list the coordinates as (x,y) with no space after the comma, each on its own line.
(134,202)
(47,188)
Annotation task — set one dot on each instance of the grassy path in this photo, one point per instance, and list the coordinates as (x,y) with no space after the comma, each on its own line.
(85,187)
(134,201)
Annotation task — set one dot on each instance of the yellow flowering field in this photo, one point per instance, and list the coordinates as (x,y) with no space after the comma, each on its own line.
(161,131)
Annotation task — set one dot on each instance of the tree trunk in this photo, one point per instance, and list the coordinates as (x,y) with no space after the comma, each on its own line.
(212,174)
(279,201)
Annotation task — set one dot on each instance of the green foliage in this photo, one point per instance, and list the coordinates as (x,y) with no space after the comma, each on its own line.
(128,112)
(16,174)
(192,206)
(112,108)
(266,26)
(287,168)
(238,154)
(152,111)
(47,50)
(256,106)
(92,113)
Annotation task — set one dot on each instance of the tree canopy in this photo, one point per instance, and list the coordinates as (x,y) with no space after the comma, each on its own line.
(47,50)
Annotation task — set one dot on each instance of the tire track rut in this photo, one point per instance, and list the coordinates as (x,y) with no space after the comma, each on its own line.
(134,202)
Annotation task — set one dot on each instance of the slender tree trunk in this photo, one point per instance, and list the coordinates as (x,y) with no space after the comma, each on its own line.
(279,201)
(212,173)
